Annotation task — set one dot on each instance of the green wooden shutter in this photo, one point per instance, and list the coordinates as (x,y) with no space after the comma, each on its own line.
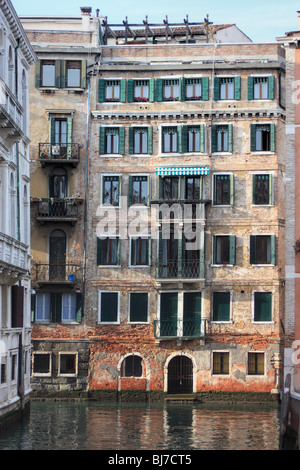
(271,189)
(118,251)
(168,313)
(159,89)
(231,177)
(232,249)
(138,307)
(250,88)
(69,137)
(149,251)
(101,90)
(33,307)
(202,138)
(55,306)
(205,88)
(182,88)
(230,138)
(213,138)
(58,70)
(184,139)
(38,74)
(121,140)
(83,74)
(271,88)
(273,249)
(99,251)
(79,306)
(216,88)
(237,88)
(151,90)
(262,306)
(130,91)
(131,140)
(52,131)
(221,306)
(253,137)
(150,140)
(272,138)
(102,141)
(179,139)
(130,188)
(123,90)
(252,249)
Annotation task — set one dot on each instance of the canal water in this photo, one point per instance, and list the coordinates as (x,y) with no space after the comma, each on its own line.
(112,427)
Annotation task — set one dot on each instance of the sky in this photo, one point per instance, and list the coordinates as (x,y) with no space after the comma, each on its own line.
(261,20)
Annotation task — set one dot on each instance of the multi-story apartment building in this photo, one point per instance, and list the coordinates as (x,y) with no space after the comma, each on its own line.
(59,100)
(174,212)
(185,277)
(16,57)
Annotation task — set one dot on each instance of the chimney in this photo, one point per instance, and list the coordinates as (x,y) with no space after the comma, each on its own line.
(85,15)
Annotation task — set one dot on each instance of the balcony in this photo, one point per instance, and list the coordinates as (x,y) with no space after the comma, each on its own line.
(57,209)
(68,274)
(62,153)
(11,115)
(180,329)
(13,259)
(179,270)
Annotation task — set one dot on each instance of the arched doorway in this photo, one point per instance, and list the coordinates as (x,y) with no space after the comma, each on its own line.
(180,375)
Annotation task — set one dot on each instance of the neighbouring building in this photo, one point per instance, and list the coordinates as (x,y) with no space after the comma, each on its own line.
(16,57)
(158,254)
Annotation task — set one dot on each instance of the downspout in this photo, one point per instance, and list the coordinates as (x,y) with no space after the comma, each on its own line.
(17,144)
(86,186)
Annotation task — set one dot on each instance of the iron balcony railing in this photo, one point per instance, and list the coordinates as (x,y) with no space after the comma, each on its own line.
(179,269)
(52,152)
(186,328)
(56,273)
(57,208)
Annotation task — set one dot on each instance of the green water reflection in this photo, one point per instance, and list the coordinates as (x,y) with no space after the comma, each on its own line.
(95,426)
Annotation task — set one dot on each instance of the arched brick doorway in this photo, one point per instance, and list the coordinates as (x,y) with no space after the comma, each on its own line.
(180,375)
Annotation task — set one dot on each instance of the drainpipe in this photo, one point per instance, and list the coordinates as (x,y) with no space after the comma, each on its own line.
(86,185)
(17,145)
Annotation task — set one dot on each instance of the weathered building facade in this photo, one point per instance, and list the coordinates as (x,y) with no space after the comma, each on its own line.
(16,57)
(174,212)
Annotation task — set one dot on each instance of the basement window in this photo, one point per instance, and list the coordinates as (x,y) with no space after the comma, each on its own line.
(67,364)
(132,366)
(221,363)
(256,364)
(41,364)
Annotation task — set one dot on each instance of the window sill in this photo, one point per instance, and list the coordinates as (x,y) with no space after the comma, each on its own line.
(263,152)
(222,153)
(141,155)
(108,266)
(139,265)
(256,322)
(222,205)
(220,321)
(225,265)
(113,323)
(266,265)
(111,155)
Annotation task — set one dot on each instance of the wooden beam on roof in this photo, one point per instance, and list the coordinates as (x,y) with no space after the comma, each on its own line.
(147,29)
(127,29)
(168,30)
(188,29)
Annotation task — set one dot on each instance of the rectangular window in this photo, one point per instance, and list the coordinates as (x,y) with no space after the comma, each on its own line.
(193,88)
(139,190)
(226,88)
(112,140)
(221,363)
(170,140)
(68,307)
(256,364)
(262,189)
(221,139)
(262,306)
(221,306)
(138,309)
(140,251)
(170,187)
(111,190)
(140,144)
(67,364)
(141,90)
(168,314)
(262,249)
(41,363)
(191,313)
(263,137)
(112,90)
(223,190)
(261,88)
(43,307)
(193,188)
(224,249)
(171,89)
(108,251)
(194,139)
(73,73)
(3,370)
(109,307)
(14,363)
(48,73)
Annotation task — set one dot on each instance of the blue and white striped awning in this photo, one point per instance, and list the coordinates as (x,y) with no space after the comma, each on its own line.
(178,170)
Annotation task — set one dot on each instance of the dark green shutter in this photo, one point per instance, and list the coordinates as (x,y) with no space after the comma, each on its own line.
(184,139)
(253,137)
(138,307)
(232,249)
(205,88)
(63,73)
(130,189)
(216,88)
(213,138)
(123,90)
(130,91)
(151,90)
(271,88)
(150,140)
(55,306)
(237,88)
(101,90)
(250,88)
(230,138)
(272,138)
(131,140)
(273,249)
(58,73)
(99,251)
(83,74)
(252,249)
(182,88)
(168,314)
(38,74)
(109,306)
(159,89)
(69,137)
(262,306)
(79,306)
(191,313)
(231,177)
(52,130)
(121,140)
(179,139)
(221,306)
(202,138)
(33,307)
(102,141)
